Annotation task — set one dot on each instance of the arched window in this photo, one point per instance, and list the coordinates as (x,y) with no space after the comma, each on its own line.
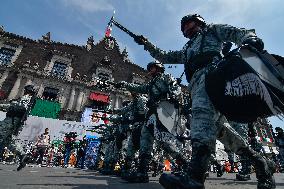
(6,55)
(59,70)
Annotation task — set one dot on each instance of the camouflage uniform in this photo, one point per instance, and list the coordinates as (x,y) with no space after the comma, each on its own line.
(115,137)
(138,109)
(279,140)
(16,115)
(197,55)
(161,87)
(244,173)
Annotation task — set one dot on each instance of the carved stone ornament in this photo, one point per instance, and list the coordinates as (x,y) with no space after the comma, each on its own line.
(36,66)
(109,43)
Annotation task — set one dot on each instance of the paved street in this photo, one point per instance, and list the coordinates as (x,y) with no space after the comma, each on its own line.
(60,178)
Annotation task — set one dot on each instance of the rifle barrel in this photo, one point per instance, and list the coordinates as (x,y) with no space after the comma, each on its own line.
(123,29)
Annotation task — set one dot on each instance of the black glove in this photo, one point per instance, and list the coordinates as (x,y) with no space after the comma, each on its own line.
(255,42)
(178,81)
(226,48)
(140,39)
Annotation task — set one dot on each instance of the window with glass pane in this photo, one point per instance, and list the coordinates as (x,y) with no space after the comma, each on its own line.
(6,55)
(50,93)
(59,70)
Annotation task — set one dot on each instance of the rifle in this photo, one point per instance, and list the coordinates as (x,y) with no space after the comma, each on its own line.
(133,35)
(122,28)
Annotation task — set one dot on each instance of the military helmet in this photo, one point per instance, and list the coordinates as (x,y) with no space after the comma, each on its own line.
(157,64)
(192,17)
(278,129)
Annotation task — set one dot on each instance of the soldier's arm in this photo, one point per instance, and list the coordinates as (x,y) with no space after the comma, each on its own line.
(171,57)
(227,33)
(136,87)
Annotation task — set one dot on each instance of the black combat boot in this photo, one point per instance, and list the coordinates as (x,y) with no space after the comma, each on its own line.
(264,169)
(195,177)
(244,174)
(181,165)
(220,169)
(142,175)
(126,170)
(107,168)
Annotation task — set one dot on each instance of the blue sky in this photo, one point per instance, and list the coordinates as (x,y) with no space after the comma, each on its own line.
(73,21)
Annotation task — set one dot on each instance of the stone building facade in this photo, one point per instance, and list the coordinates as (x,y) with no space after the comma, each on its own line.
(66,73)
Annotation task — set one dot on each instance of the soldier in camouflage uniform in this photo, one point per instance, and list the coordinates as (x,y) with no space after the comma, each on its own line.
(161,87)
(116,136)
(107,141)
(16,115)
(204,48)
(138,110)
(279,141)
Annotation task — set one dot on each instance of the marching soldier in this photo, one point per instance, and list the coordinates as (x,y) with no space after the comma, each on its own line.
(16,115)
(279,140)
(203,49)
(138,110)
(161,87)
(115,138)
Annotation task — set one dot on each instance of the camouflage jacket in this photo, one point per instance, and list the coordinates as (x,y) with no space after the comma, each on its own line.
(138,108)
(162,86)
(123,116)
(210,39)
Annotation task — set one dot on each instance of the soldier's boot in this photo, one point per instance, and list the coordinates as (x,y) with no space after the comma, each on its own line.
(281,168)
(264,169)
(107,169)
(181,165)
(232,169)
(244,174)
(125,172)
(23,162)
(142,174)
(220,169)
(155,168)
(196,171)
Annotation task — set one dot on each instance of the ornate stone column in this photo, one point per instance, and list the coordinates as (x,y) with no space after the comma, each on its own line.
(15,88)
(80,100)
(116,102)
(4,77)
(71,99)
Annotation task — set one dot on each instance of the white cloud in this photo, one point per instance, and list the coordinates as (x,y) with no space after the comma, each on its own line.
(88,5)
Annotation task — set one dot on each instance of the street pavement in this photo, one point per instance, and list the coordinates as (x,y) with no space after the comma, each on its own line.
(70,178)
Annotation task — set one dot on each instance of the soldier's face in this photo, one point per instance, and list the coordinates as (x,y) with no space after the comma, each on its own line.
(153,71)
(190,29)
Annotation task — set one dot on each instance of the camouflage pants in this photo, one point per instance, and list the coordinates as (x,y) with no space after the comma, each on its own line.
(171,147)
(242,130)
(111,152)
(8,127)
(134,142)
(207,123)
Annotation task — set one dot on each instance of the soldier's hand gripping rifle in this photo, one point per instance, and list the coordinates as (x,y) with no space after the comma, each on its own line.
(139,39)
